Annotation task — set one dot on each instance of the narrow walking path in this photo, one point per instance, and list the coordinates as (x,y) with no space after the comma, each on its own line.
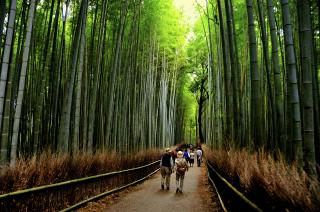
(148,196)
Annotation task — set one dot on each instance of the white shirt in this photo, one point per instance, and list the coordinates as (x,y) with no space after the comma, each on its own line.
(199,152)
(191,155)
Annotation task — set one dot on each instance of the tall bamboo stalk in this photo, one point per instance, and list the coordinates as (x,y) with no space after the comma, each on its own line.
(17,116)
(294,98)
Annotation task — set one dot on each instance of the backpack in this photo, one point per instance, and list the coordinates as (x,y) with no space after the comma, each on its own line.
(181,169)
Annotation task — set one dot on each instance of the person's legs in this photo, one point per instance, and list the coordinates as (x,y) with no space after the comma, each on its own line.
(168,175)
(181,183)
(163,176)
(177,182)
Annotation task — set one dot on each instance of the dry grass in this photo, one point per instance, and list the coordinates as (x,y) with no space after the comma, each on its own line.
(259,171)
(50,168)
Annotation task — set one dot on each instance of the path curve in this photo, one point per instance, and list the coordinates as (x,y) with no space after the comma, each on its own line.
(148,196)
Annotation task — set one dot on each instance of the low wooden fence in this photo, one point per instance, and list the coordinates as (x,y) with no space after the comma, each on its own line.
(230,198)
(74,193)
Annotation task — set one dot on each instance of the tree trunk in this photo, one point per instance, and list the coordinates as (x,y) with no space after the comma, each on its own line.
(2,16)
(64,130)
(6,57)
(295,116)
(79,81)
(268,73)
(94,92)
(16,124)
(115,67)
(57,89)
(201,102)
(234,69)
(210,38)
(280,140)
(54,79)
(227,74)
(42,84)
(256,112)
(305,35)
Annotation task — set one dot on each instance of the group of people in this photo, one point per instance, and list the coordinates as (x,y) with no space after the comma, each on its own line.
(189,155)
(177,161)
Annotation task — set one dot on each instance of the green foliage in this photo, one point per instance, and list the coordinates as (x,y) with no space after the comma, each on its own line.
(162,19)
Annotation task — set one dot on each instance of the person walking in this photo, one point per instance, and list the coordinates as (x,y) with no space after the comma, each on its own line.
(166,168)
(186,155)
(191,160)
(199,156)
(181,167)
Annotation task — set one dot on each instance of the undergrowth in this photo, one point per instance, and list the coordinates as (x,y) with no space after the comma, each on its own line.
(50,168)
(284,184)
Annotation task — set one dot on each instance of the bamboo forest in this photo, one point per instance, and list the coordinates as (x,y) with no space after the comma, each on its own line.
(93,93)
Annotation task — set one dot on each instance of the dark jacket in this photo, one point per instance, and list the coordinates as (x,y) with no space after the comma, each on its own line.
(166,160)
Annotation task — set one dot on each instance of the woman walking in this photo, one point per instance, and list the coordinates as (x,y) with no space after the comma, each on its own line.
(181,167)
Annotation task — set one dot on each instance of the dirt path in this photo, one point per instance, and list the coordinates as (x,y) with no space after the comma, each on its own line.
(196,196)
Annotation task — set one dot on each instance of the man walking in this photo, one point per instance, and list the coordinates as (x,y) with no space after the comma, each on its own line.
(166,168)
(199,156)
